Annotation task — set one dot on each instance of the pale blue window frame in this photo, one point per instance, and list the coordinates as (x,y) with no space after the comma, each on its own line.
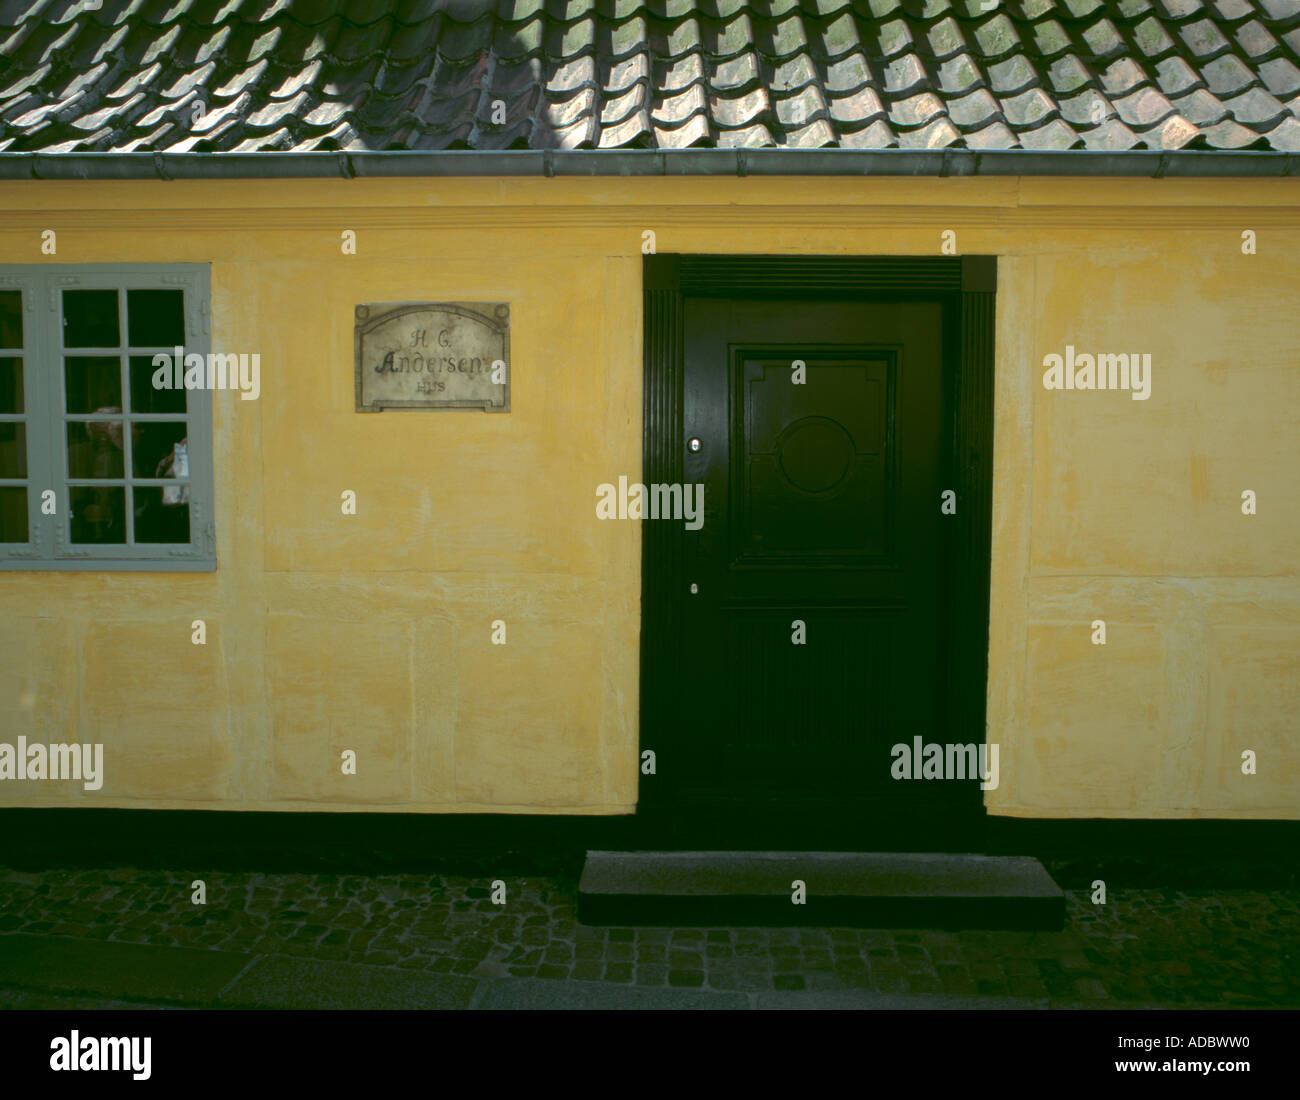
(49,545)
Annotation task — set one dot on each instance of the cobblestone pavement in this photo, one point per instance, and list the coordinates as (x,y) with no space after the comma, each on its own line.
(1225,947)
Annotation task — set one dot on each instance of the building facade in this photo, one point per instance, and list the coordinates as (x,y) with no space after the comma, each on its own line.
(472,630)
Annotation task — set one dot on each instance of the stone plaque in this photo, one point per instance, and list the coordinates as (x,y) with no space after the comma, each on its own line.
(433,355)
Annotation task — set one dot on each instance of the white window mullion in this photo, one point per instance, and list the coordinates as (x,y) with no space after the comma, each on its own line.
(36,384)
(42,377)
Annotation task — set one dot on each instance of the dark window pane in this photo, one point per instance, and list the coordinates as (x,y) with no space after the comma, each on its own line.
(98,515)
(13,449)
(155,318)
(11,318)
(90,319)
(13,513)
(154,450)
(11,386)
(93,384)
(162,513)
(95,449)
(146,399)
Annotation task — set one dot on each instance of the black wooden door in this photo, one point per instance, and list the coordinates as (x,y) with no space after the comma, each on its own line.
(813,626)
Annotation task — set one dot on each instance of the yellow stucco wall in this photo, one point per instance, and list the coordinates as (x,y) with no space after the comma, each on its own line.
(371,632)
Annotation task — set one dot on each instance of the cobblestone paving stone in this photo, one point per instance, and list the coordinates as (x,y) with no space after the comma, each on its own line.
(1230,947)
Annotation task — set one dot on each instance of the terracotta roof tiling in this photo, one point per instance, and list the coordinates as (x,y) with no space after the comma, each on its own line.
(314,75)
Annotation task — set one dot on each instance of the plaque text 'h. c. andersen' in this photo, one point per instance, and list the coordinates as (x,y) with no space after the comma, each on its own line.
(431,355)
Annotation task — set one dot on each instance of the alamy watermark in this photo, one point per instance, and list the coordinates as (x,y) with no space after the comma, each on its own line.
(1105,371)
(637,501)
(215,371)
(85,1052)
(24,761)
(935,761)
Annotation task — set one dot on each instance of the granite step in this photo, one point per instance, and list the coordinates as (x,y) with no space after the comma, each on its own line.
(841,889)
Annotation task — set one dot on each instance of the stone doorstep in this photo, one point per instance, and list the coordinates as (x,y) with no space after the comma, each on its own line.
(841,889)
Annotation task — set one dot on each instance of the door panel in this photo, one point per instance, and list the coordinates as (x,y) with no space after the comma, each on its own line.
(813,459)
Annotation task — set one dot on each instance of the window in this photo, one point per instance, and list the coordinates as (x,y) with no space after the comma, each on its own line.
(98,468)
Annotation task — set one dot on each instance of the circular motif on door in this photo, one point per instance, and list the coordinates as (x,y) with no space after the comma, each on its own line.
(815,454)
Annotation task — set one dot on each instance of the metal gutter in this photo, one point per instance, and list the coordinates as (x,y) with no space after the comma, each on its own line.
(645,162)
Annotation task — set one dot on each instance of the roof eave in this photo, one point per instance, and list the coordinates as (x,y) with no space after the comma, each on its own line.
(647,162)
